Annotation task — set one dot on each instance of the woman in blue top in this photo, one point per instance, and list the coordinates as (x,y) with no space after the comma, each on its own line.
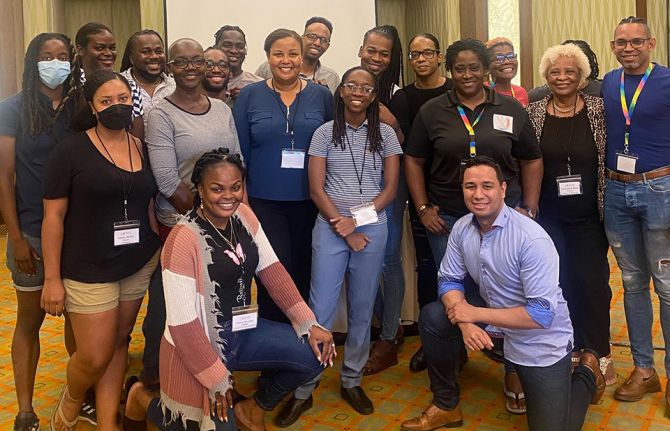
(31,122)
(275,120)
(353,175)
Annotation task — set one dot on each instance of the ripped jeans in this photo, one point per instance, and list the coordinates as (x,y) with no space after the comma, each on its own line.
(637,223)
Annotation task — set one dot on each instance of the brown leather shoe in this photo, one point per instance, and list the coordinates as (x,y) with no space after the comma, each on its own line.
(635,387)
(590,360)
(382,356)
(433,418)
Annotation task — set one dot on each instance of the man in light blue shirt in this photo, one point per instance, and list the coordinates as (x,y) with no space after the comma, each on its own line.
(515,265)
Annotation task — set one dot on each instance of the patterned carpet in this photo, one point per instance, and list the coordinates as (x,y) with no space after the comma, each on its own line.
(397,393)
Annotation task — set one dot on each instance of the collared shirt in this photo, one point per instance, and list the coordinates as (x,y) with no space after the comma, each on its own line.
(515,264)
(242,80)
(650,123)
(164,89)
(438,134)
(345,166)
(135,94)
(321,74)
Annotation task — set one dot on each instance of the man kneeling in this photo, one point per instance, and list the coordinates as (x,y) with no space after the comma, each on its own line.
(515,265)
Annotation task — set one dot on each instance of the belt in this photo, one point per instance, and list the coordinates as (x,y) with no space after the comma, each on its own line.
(627,178)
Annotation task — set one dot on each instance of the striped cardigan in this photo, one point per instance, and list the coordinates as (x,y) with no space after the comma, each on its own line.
(192,359)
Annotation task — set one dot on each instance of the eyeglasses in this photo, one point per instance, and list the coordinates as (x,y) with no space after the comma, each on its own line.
(500,58)
(638,42)
(355,88)
(314,37)
(182,63)
(222,65)
(427,54)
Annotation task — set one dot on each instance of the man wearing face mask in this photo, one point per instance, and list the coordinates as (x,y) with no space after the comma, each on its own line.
(143,63)
(315,42)
(31,123)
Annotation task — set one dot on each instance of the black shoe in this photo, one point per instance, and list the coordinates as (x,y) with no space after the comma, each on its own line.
(88,414)
(26,422)
(358,400)
(292,411)
(418,361)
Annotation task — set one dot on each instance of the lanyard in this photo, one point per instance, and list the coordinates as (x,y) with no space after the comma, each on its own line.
(628,109)
(567,146)
(289,124)
(353,161)
(471,128)
(123,182)
(493,85)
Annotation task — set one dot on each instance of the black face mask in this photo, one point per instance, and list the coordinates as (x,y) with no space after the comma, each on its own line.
(116,117)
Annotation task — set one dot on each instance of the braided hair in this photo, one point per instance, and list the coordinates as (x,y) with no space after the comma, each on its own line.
(210,159)
(218,36)
(590,55)
(130,46)
(75,94)
(394,74)
(371,113)
(36,116)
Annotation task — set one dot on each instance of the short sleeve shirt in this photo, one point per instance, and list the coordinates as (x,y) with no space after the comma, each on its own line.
(354,175)
(31,154)
(164,89)
(504,133)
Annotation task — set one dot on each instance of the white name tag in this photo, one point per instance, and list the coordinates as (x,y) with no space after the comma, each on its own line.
(126,232)
(626,162)
(364,214)
(569,185)
(245,317)
(504,123)
(292,159)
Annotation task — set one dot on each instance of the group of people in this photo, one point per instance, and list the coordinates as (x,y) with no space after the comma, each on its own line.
(188,177)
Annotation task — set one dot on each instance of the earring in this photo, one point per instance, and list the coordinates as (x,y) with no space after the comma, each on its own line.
(201,207)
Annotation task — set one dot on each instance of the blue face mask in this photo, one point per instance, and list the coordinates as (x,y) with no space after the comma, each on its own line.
(53,72)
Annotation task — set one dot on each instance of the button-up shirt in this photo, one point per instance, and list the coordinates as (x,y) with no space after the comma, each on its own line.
(164,89)
(515,264)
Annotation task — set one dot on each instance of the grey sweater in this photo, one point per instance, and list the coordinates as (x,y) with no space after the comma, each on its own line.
(176,139)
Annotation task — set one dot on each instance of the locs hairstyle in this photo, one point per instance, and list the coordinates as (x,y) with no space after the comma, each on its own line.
(395,73)
(130,46)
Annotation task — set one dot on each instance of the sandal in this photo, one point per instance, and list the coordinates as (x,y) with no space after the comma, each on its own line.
(607,368)
(26,421)
(58,412)
(515,400)
(383,355)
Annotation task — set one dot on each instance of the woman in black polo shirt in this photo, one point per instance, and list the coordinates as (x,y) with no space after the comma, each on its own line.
(467,121)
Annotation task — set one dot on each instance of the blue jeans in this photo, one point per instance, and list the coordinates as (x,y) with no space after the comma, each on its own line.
(438,243)
(331,260)
(391,295)
(555,400)
(637,223)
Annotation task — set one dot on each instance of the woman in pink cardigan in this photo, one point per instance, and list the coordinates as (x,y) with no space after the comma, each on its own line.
(213,328)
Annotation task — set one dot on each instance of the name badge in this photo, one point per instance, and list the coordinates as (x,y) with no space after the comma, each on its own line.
(126,232)
(364,214)
(569,185)
(504,123)
(245,317)
(292,158)
(626,162)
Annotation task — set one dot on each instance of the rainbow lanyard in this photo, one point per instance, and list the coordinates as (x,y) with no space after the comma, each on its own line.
(493,85)
(628,110)
(471,129)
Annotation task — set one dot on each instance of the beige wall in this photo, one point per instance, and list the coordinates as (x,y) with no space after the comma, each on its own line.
(657,15)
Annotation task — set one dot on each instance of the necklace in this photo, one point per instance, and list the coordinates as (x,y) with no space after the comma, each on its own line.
(230,242)
(299,82)
(562,111)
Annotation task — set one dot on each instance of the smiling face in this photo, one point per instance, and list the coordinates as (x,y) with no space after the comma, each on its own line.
(375,54)
(422,66)
(235,47)
(99,52)
(285,59)
(468,74)
(508,68)
(221,190)
(634,60)
(216,78)
(314,49)
(563,76)
(190,76)
(148,57)
(483,193)
(357,100)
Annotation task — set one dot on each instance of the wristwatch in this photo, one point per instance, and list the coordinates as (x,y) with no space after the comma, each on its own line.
(423,208)
(532,214)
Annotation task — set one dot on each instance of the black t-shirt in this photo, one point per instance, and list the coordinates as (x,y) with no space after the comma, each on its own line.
(225,272)
(78,171)
(407,101)
(556,145)
(438,132)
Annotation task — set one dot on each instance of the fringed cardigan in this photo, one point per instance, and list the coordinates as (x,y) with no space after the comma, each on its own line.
(192,368)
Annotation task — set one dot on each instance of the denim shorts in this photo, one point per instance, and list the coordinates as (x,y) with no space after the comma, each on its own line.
(22,281)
